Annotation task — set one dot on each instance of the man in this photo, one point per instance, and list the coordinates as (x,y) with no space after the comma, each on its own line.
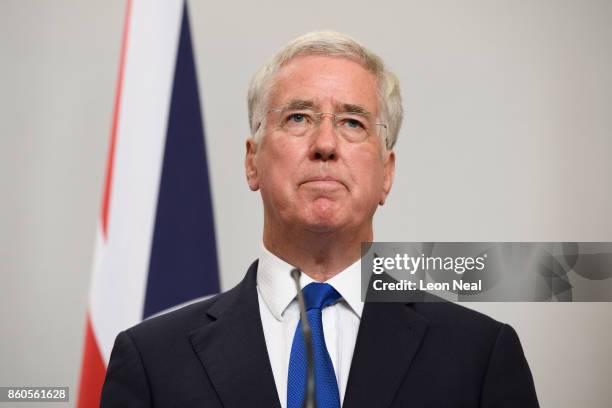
(324,115)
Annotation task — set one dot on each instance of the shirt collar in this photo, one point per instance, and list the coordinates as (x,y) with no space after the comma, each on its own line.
(278,288)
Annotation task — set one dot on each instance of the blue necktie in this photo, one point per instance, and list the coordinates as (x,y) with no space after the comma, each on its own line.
(316,297)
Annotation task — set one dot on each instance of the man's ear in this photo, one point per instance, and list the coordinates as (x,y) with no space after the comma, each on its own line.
(388,175)
(250,164)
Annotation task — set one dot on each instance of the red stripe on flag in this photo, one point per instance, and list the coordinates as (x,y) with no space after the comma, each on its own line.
(111,150)
(93,371)
(93,367)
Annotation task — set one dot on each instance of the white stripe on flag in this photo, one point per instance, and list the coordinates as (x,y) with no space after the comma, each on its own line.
(121,264)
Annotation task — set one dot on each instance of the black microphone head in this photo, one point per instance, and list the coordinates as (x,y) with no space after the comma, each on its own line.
(296,273)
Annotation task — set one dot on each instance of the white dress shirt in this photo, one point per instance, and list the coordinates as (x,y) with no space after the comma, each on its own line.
(280,315)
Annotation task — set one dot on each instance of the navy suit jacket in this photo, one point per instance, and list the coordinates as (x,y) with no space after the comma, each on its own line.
(213,354)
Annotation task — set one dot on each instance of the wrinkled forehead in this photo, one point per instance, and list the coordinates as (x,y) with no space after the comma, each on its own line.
(316,105)
(322,82)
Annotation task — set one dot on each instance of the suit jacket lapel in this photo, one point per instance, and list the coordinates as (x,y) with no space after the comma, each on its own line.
(233,351)
(388,339)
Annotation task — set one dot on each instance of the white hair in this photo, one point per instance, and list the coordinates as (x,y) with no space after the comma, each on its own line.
(333,44)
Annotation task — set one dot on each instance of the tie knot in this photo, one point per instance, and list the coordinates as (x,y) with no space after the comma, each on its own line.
(319,295)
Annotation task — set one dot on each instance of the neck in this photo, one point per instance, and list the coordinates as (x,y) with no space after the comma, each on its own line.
(320,255)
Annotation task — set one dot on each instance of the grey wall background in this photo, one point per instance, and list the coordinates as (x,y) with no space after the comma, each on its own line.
(507,137)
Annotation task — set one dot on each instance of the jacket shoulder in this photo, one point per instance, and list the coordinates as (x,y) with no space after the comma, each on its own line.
(179,322)
(192,316)
(455,315)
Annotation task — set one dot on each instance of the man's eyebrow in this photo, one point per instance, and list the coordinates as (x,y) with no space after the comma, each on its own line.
(358,109)
(300,104)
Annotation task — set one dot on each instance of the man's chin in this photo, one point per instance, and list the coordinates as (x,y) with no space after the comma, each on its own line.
(322,216)
(322,228)
(323,225)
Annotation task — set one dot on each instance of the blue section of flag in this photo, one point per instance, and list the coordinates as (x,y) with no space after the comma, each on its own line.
(183,264)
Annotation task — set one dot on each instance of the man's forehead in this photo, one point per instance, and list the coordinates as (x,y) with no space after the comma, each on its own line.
(336,105)
(326,82)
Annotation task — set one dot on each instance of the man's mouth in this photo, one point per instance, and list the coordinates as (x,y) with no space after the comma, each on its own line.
(323,181)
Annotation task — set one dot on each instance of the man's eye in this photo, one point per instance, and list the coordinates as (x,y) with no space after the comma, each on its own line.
(296,118)
(353,124)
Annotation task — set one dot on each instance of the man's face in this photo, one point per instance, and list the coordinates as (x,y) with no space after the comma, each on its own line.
(321,182)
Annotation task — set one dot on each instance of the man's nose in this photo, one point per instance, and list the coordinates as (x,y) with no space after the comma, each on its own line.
(324,140)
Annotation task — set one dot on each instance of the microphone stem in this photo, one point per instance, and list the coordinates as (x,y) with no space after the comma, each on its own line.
(309,400)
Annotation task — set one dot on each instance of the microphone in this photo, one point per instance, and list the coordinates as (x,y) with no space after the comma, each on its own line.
(309,400)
